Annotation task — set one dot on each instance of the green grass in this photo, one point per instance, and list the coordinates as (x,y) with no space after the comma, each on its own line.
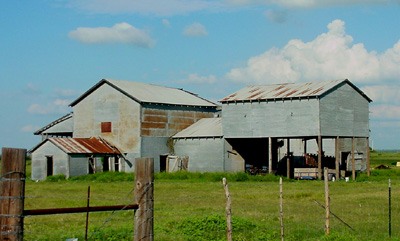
(191,206)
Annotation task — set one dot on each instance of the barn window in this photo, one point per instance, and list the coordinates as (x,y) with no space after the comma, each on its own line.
(105,127)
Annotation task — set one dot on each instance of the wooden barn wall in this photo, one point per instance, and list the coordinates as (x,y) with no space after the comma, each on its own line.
(162,120)
(205,154)
(344,112)
(271,119)
(39,161)
(106,104)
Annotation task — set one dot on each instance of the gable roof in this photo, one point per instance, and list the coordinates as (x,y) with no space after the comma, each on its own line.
(148,93)
(288,91)
(60,125)
(90,145)
(206,127)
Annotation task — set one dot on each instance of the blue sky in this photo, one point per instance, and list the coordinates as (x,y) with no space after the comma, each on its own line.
(53,51)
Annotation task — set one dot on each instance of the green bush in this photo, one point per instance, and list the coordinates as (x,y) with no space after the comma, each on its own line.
(56,178)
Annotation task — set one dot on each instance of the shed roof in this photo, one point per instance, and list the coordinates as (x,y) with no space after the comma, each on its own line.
(206,127)
(288,91)
(50,128)
(90,145)
(149,93)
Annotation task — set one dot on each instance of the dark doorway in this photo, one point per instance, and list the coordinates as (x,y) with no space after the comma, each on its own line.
(91,165)
(106,164)
(163,163)
(49,162)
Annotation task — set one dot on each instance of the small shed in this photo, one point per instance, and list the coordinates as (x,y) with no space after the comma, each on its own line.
(261,122)
(74,157)
(207,150)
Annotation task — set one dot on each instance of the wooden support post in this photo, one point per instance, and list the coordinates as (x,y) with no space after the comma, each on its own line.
(288,159)
(144,189)
(327,202)
(368,158)
(337,158)
(269,155)
(281,209)
(319,141)
(305,146)
(12,194)
(353,161)
(228,211)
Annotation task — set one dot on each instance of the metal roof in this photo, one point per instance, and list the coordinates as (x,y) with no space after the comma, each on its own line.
(65,128)
(206,127)
(149,93)
(84,145)
(287,91)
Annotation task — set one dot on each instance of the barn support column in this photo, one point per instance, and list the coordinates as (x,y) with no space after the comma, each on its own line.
(337,158)
(288,159)
(269,155)
(319,157)
(305,146)
(368,158)
(353,162)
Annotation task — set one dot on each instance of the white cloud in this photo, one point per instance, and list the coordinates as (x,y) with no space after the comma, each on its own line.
(164,8)
(195,30)
(166,23)
(276,16)
(308,3)
(57,106)
(331,55)
(385,112)
(119,33)
(29,128)
(197,79)
(383,93)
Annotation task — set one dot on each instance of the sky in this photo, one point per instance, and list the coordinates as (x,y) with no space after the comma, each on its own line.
(52,51)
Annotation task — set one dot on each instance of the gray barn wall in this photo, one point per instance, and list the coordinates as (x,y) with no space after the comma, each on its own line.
(39,163)
(344,112)
(271,119)
(106,104)
(205,154)
(234,162)
(78,165)
(153,147)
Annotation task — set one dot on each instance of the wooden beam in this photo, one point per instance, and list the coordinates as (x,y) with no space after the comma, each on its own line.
(50,211)
(288,158)
(368,158)
(319,140)
(353,162)
(337,158)
(270,155)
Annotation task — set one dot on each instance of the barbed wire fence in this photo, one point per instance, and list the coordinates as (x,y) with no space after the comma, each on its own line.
(12,226)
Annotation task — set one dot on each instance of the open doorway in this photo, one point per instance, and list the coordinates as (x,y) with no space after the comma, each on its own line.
(49,163)
(163,163)
(91,166)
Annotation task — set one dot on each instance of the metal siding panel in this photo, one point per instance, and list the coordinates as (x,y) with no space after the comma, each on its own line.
(78,166)
(204,153)
(154,147)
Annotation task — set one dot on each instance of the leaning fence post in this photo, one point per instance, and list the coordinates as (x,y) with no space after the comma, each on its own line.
(144,179)
(12,194)
(327,202)
(228,211)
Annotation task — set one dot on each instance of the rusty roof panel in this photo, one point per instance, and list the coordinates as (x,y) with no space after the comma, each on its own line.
(285,91)
(206,127)
(85,145)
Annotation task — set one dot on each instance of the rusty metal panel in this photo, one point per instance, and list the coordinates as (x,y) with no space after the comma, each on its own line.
(84,146)
(207,127)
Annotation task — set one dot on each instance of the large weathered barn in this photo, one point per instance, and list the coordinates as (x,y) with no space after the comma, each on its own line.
(137,118)
(263,128)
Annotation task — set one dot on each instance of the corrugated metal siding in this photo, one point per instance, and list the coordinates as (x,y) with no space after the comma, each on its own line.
(84,145)
(207,127)
(285,91)
(61,125)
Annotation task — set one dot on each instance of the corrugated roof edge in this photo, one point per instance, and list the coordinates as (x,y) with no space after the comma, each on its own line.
(53,123)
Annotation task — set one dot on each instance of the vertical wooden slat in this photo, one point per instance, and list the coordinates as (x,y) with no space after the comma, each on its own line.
(368,158)
(144,190)
(281,209)
(353,161)
(12,194)
(270,155)
(319,157)
(337,158)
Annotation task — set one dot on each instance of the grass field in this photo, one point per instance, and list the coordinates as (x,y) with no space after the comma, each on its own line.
(191,206)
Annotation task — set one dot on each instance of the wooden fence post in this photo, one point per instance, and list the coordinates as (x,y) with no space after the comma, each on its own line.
(281,209)
(144,189)
(327,202)
(228,211)
(12,194)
